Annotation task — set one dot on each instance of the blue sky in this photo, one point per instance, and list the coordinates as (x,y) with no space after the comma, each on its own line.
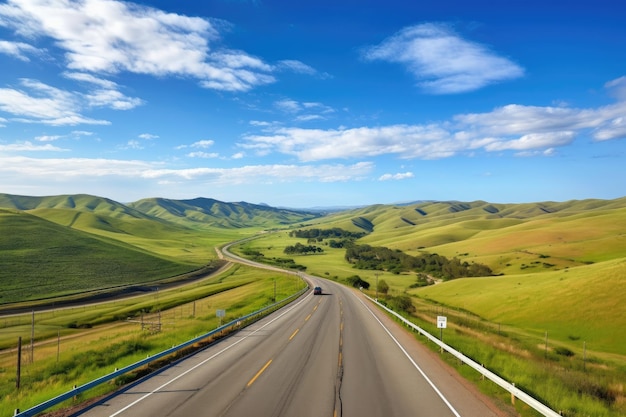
(325,103)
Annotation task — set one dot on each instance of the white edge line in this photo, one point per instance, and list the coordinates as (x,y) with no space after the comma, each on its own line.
(205,361)
(412,361)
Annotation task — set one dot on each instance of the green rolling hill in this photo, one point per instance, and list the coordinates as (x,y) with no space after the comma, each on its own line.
(207,212)
(560,265)
(41,259)
(65,245)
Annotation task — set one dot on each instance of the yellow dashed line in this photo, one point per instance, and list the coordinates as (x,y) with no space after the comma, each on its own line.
(307,317)
(258,374)
(294,334)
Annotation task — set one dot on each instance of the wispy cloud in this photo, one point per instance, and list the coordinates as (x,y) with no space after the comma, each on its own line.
(205,155)
(19,50)
(300,67)
(48,138)
(304,111)
(522,129)
(106,93)
(37,102)
(76,169)
(148,136)
(398,176)
(108,37)
(30,147)
(442,61)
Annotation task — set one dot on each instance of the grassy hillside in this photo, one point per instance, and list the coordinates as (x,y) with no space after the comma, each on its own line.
(206,212)
(58,245)
(561,264)
(510,238)
(39,259)
(579,304)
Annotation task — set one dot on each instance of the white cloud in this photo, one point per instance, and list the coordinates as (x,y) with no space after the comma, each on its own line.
(428,142)
(617,88)
(17,50)
(44,104)
(442,61)
(287,105)
(297,66)
(112,99)
(303,111)
(202,144)
(80,133)
(30,147)
(48,138)
(525,129)
(200,154)
(308,117)
(148,136)
(106,36)
(398,176)
(532,141)
(615,129)
(30,170)
(89,78)
(132,144)
(107,95)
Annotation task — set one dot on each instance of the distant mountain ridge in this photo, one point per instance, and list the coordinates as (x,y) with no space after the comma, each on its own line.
(195,213)
(204,212)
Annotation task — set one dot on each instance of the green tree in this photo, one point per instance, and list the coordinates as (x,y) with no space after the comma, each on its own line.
(383,287)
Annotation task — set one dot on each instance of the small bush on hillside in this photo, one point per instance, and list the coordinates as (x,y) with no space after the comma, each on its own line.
(357,282)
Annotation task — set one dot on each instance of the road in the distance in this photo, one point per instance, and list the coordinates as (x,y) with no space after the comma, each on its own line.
(328,355)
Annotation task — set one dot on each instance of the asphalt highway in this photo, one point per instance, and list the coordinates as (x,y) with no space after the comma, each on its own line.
(333,354)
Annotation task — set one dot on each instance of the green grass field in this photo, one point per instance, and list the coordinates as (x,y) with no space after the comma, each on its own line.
(95,340)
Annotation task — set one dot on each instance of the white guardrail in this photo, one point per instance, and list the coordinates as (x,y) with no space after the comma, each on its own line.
(515,392)
(89,385)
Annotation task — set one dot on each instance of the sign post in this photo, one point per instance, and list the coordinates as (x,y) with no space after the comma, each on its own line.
(221,314)
(442,322)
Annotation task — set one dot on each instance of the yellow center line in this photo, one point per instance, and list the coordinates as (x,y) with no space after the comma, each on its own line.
(294,334)
(307,317)
(258,374)
(315,308)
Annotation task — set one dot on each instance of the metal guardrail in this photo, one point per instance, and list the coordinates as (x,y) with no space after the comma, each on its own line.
(515,392)
(80,389)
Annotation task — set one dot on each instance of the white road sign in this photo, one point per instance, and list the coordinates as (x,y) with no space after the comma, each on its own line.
(442,321)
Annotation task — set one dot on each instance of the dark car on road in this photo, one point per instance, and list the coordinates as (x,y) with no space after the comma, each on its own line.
(317,290)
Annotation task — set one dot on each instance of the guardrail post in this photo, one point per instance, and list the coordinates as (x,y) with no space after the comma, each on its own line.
(513,394)
(17,411)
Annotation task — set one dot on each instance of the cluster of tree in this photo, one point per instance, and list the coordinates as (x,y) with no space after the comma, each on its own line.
(337,237)
(321,234)
(281,262)
(401,302)
(299,248)
(396,261)
(357,282)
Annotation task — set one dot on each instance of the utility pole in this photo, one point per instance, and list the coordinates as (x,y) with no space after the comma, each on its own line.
(19,362)
(377,274)
(32,339)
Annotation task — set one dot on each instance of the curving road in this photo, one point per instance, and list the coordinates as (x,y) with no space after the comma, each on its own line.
(328,355)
